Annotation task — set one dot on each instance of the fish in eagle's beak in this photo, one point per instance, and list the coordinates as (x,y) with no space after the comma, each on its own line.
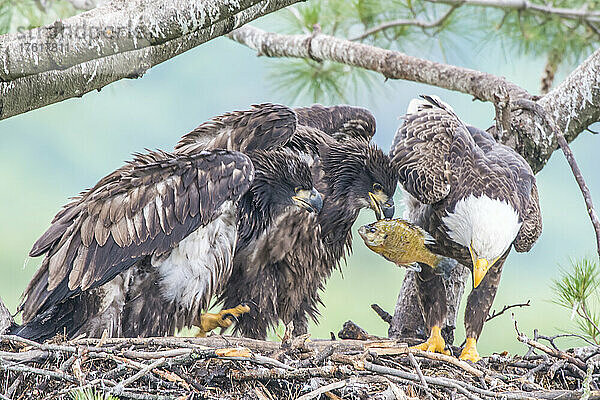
(382,205)
(310,200)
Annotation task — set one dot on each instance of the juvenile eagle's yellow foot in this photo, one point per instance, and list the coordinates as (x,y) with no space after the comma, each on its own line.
(435,343)
(223,319)
(470,351)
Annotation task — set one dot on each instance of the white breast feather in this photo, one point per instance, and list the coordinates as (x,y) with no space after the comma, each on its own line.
(194,270)
(488,225)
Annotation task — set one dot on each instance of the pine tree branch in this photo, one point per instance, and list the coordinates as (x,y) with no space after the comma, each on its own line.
(120,39)
(391,64)
(581,14)
(407,22)
(573,105)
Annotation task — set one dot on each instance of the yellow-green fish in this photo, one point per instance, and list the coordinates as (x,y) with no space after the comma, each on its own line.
(400,242)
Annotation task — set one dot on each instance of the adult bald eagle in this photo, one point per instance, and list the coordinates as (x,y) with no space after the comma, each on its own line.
(144,251)
(282,274)
(476,197)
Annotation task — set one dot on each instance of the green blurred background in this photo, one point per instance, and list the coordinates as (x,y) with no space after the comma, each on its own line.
(51,154)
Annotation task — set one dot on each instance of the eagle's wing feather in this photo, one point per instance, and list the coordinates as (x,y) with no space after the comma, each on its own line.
(532,224)
(263,127)
(144,208)
(347,121)
(422,150)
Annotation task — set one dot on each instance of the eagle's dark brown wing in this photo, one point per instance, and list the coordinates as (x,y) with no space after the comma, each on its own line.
(339,121)
(422,147)
(142,209)
(263,127)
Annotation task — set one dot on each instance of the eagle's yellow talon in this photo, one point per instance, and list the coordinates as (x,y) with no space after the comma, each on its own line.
(435,343)
(222,319)
(470,351)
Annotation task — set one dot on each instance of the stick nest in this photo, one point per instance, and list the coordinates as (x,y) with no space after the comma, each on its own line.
(223,367)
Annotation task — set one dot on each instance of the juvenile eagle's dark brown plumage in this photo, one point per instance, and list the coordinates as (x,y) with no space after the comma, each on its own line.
(280,272)
(442,163)
(144,251)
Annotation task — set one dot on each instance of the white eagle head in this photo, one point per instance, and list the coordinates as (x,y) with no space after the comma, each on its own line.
(487,227)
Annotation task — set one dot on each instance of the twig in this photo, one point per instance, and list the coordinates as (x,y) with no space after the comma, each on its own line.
(407,22)
(319,357)
(301,373)
(38,371)
(415,364)
(506,308)
(564,145)
(384,348)
(536,369)
(552,338)
(384,315)
(27,342)
(586,313)
(117,390)
(585,191)
(322,390)
(522,5)
(521,337)
(262,360)
(446,382)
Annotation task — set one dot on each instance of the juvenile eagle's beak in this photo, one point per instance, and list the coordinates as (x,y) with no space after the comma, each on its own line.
(381,205)
(310,200)
(480,267)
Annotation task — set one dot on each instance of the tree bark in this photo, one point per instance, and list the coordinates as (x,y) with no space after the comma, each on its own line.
(573,105)
(120,39)
(391,64)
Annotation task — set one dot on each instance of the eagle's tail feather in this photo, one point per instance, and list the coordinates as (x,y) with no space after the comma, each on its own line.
(58,319)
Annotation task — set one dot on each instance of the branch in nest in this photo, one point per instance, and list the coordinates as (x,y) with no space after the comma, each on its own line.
(181,366)
(384,315)
(521,337)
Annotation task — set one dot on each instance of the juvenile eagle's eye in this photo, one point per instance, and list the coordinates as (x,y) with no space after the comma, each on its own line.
(373,229)
(377,187)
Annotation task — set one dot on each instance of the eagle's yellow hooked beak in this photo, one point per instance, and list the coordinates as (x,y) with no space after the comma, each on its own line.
(480,267)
